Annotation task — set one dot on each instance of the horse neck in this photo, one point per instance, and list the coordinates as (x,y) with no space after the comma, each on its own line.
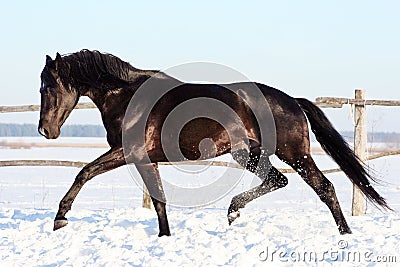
(119,94)
(102,97)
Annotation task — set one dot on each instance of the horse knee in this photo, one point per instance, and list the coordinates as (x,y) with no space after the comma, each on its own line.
(159,207)
(276,183)
(83,177)
(276,179)
(242,156)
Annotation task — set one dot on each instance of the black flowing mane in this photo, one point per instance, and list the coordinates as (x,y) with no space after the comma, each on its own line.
(96,69)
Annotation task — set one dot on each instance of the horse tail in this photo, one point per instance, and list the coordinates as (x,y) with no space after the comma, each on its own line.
(338,149)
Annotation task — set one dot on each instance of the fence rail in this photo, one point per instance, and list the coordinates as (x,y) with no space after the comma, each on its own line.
(27,108)
(80,164)
(324,102)
(338,102)
(54,163)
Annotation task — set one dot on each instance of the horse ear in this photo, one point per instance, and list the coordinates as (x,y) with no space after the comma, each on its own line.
(48,59)
(58,61)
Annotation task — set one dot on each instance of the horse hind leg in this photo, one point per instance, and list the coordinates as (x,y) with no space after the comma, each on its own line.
(258,163)
(310,173)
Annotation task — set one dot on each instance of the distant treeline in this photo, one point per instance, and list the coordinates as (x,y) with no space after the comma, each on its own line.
(10,129)
(372,137)
(375,137)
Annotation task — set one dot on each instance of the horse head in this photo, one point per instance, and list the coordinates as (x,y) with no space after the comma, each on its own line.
(58,98)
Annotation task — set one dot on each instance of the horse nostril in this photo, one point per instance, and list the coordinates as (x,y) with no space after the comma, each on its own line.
(43,132)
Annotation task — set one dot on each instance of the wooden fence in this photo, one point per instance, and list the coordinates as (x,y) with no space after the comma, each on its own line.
(360,140)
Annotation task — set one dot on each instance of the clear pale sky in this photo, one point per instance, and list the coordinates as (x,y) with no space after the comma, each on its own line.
(305,48)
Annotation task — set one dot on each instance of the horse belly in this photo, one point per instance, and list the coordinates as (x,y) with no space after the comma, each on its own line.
(203,138)
(200,138)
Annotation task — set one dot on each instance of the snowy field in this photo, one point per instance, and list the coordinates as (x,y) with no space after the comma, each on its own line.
(108,227)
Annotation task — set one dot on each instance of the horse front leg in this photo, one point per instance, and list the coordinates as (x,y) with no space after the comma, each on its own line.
(112,159)
(152,180)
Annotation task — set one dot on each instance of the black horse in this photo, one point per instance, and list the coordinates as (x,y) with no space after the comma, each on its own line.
(111,83)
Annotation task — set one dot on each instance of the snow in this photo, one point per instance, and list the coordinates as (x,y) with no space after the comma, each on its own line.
(107,226)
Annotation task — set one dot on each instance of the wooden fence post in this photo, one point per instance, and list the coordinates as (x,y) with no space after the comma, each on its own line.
(360,145)
(146,198)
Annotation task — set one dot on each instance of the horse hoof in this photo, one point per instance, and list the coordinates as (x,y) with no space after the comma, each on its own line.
(233,216)
(59,224)
(345,232)
(164,234)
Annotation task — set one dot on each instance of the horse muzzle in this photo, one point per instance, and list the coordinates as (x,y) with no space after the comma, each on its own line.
(48,132)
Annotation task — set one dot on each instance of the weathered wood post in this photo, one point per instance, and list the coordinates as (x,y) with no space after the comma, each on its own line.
(360,145)
(146,198)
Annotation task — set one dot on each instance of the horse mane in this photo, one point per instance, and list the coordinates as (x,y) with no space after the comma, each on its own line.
(97,69)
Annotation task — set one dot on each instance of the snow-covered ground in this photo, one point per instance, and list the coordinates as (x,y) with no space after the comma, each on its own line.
(107,226)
